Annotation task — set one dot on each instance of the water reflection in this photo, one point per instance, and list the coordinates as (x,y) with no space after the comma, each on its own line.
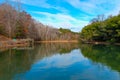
(49,49)
(15,61)
(106,55)
(58,61)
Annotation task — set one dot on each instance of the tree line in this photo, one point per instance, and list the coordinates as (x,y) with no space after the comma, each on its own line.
(17,23)
(102,29)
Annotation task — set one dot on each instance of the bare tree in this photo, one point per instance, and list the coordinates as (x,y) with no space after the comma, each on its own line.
(11,17)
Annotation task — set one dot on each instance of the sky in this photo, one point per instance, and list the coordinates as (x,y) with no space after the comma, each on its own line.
(69,14)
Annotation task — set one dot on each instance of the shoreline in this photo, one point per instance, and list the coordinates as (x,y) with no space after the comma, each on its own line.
(58,41)
(15,43)
(101,43)
(25,42)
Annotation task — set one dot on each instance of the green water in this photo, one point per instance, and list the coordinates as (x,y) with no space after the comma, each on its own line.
(58,61)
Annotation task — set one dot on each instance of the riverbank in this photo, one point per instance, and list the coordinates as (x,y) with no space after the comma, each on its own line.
(102,43)
(58,41)
(8,43)
(15,43)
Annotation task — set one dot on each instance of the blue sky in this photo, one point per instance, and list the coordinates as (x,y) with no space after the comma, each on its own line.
(70,14)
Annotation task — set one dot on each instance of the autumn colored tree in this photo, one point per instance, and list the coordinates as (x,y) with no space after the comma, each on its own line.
(16,23)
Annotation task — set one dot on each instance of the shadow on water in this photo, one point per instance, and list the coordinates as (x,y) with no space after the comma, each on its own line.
(13,61)
(107,55)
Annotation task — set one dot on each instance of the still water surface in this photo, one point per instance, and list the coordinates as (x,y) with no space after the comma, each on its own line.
(57,61)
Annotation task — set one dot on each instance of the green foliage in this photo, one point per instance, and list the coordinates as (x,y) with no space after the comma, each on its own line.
(66,34)
(1,29)
(64,30)
(20,32)
(64,51)
(107,30)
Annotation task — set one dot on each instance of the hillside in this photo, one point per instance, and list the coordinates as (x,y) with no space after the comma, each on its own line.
(102,30)
(20,25)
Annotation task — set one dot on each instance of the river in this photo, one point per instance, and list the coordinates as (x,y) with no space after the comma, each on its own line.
(61,61)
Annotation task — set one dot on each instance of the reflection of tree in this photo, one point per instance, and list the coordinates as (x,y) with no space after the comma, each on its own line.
(14,62)
(49,49)
(107,55)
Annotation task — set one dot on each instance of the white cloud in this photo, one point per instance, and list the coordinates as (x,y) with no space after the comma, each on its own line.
(90,9)
(96,7)
(115,11)
(60,61)
(61,20)
(43,4)
(80,4)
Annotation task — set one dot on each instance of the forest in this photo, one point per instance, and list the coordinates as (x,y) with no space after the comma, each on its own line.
(102,29)
(16,23)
